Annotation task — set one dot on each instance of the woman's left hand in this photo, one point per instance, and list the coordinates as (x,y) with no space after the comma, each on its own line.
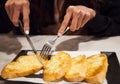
(76,17)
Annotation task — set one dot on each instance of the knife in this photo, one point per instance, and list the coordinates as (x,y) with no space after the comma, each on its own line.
(30,42)
(27,37)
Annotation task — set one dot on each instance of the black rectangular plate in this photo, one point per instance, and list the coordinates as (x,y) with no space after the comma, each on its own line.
(112,76)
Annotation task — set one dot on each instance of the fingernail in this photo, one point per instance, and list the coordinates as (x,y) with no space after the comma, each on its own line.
(59,34)
(27,31)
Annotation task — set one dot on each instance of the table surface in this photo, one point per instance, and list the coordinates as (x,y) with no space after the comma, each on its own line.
(11,45)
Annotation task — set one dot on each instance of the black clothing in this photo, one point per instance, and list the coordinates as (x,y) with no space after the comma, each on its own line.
(107,20)
(105,23)
(5,23)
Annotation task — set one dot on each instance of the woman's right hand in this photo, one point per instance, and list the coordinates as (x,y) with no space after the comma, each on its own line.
(76,17)
(16,7)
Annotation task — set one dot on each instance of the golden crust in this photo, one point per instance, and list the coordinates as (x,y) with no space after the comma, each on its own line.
(23,66)
(77,71)
(57,66)
(97,68)
(91,69)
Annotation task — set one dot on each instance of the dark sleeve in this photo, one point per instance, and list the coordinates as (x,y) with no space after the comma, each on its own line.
(107,20)
(5,24)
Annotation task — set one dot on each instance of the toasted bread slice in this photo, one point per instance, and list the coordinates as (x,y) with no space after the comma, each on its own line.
(77,71)
(57,66)
(97,68)
(23,66)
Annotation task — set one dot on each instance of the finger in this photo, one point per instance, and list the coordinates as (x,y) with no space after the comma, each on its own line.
(66,21)
(85,19)
(80,19)
(11,9)
(26,12)
(73,25)
(7,8)
(16,13)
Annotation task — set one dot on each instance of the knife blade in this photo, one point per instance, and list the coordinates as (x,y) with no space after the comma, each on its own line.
(27,37)
(31,44)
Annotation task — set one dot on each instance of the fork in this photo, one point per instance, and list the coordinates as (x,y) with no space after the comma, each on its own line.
(46,50)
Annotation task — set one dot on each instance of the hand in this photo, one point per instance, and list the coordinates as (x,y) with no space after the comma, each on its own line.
(76,17)
(16,7)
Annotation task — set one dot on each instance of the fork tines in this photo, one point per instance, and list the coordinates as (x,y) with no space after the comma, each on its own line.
(45,52)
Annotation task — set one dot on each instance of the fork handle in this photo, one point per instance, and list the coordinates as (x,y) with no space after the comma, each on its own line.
(66,29)
(63,33)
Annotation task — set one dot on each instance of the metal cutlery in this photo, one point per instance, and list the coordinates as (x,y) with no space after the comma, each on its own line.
(46,50)
(27,36)
(30,42)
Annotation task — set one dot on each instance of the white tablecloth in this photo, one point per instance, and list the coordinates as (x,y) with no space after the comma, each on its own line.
(10,45)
